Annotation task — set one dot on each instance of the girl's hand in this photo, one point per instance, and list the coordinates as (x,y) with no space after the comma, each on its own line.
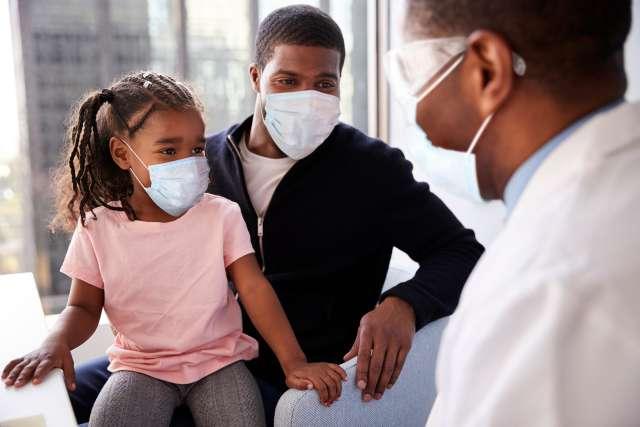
(326,378)
(37,364)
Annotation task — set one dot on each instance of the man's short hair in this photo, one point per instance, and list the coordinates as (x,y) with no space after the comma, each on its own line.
(559,39)
(297,25)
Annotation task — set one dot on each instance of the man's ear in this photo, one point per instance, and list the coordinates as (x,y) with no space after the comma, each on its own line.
(254,75)
(119,153)
(490,64)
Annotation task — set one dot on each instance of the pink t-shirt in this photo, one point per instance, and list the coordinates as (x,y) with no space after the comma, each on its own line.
(166,289)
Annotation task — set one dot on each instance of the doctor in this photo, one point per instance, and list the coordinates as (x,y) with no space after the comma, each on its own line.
(525,100)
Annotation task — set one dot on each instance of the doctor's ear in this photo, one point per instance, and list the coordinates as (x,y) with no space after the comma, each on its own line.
(254,75)
(119,153)
(489,71)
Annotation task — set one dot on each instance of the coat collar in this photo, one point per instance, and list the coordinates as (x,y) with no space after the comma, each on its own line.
(608,132)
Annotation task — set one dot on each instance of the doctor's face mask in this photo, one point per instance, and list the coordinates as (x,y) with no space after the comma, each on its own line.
(415,71)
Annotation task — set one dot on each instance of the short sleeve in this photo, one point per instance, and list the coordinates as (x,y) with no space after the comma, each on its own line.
(237,242)
(81,262)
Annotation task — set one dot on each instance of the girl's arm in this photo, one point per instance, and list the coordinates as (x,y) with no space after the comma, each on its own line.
(75,325)
(266,313)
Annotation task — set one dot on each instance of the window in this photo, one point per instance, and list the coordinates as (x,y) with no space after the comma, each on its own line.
(64,48)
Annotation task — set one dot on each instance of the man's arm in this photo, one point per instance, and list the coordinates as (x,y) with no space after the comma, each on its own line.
(423,227)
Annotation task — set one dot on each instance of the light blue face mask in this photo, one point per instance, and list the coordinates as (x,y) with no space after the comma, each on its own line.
(299,122)
(178,185)
(455,170)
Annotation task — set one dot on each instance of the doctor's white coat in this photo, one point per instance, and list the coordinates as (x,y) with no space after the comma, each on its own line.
(547,332)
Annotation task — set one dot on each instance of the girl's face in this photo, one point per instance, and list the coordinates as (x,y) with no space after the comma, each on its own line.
(165,136)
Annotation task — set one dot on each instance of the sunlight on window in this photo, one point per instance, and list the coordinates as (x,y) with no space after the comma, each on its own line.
(14,238)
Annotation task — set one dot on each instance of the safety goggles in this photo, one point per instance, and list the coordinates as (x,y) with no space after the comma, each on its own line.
(411,68)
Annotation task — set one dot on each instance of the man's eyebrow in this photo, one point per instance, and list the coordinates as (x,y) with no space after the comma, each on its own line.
(325,74)
(281,71)
(328,75)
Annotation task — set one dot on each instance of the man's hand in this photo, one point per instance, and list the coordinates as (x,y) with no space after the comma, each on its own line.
(382,344)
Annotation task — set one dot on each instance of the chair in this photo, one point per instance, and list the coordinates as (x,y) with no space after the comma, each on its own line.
(407,403)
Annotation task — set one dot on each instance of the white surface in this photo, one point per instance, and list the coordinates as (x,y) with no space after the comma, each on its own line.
(22,329)
(547,331)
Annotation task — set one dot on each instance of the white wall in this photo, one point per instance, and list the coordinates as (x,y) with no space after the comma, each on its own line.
(632,55)
(485,219)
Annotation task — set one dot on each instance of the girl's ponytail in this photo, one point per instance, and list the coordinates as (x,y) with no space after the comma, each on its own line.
(80,157)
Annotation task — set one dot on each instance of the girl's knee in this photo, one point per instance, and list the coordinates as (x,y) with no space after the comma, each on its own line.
(230,395)
(130,398)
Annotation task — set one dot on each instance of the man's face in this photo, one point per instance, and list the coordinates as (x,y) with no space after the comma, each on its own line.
(295,68)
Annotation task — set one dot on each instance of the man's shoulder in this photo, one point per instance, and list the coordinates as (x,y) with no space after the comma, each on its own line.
(352,142)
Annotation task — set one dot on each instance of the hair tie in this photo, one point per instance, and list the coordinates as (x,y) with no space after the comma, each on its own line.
(106,95)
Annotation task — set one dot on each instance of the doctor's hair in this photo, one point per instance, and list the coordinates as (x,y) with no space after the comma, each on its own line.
(297,25)
(87,176)
(560,40)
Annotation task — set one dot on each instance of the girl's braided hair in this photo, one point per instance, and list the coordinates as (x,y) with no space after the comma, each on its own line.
(87,176)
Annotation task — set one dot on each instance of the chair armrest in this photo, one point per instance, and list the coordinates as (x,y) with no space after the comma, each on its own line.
(408,403)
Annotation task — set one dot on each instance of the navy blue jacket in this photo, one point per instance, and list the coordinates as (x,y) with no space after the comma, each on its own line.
(328,235)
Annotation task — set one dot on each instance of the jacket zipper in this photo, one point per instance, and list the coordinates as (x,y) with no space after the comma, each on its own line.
(260,218)
(260,236)
(261,232)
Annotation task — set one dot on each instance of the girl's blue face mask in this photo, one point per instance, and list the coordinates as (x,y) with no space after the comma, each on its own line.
(178,185)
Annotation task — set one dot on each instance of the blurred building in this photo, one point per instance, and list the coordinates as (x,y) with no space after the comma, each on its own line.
(67,48)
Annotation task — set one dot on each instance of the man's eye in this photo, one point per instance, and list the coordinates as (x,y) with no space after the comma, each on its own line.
(287,82)
(169,151)
(326,84)
(198,150)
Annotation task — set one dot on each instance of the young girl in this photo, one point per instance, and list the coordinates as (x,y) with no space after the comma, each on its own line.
(157,253)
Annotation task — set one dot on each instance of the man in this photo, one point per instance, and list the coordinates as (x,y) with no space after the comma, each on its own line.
(325,205)
(526,98)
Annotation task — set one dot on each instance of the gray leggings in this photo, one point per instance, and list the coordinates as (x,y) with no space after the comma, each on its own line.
(228,397)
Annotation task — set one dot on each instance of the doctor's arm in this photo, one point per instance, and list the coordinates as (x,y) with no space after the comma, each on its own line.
(422,226)
(558,352)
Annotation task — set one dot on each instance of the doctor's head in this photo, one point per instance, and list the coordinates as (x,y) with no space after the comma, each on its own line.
(298,48)
(499,78)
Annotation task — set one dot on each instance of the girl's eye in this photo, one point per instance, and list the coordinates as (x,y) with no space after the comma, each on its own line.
(198,150)
(169,151)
